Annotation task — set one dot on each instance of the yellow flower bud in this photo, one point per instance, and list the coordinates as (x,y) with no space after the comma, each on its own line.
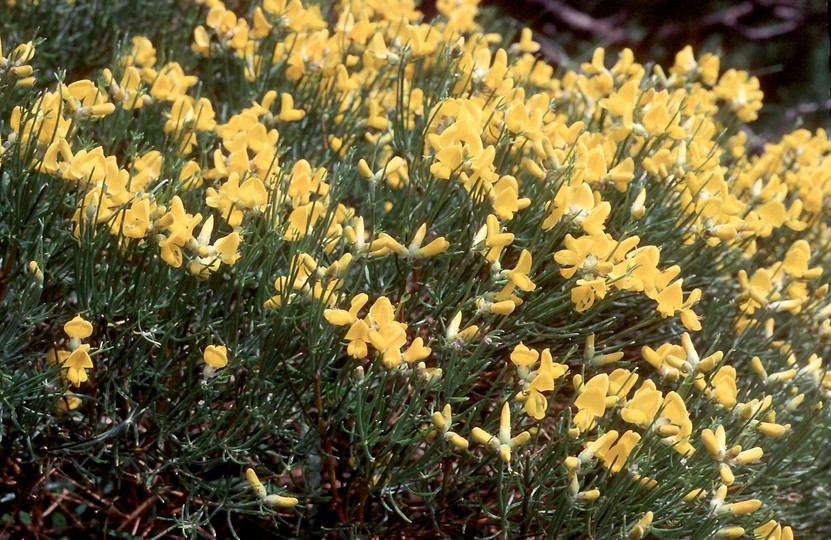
(748,456)
(37,273)
(506,307)
(773,430)
(730,532)
(439,421)
(254,482)
(726,474)
(638,209)
(743,507)
(641,526)
(695,494)
(279,501)
(481,436)
(588,496)
(456,440)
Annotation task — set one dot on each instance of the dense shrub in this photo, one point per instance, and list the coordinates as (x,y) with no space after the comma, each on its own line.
(334,270)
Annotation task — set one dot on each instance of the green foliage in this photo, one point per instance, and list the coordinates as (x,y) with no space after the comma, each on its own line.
(238,351)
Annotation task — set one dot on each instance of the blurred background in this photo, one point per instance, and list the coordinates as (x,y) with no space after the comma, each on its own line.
(782,42)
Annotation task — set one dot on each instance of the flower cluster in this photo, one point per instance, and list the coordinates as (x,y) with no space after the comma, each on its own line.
(75,359)
(328,190)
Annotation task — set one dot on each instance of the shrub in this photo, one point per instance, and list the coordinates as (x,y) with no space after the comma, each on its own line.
(330,269)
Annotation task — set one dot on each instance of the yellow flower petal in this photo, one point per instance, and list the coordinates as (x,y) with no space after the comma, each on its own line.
(216,356)
(78,328)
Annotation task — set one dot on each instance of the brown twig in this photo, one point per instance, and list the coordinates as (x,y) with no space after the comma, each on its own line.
(328,449)
(134,515)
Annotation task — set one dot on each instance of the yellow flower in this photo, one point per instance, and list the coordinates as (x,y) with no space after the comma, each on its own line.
(643,406)
(254,482)
(180,226)
(76,364)
(233,198)
(522,356)
(142,53)
(83,99)
(580,205)
(492,239)
(388,338)
(641,527)
(742,93)
(796,261)
(585,253)
(601,444)
(439,245)
(281,501)
(68,403)
(78,328)
(590,354)
(287,111)
(591,402)
(505,307)
(637,210)
(169,82)
(504,197)
(772,429)
(274,500)
(586,291)
(394,172)
(588,496)
(453,333)
(535,381)
(675,425)
(340,317)
(518,277)
(191,176)
(442,421)
(146,168)
(670,299)
(715,442)
(773,531)
(36,273)
(724,386)
(615,456)
(621,381)
(742,507)
(536,404)
(208,256)
(503,443)
(376,53)
(216,356)
(54,356)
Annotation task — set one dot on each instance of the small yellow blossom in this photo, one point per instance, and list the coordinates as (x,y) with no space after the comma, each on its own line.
(591,402)
(588,496)
(641,527)
(503,443)
(453,332)
(287,111)
(76,364)
(78,328)
(442,421)
(274,500)
(435,247)
(215,356)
